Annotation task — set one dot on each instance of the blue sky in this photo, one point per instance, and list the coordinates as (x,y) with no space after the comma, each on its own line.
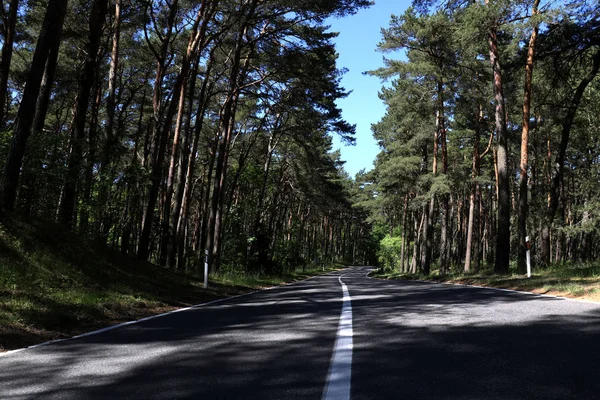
(356,45)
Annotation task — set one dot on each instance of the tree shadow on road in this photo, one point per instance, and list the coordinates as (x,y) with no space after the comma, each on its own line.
(449,342)
(278,344)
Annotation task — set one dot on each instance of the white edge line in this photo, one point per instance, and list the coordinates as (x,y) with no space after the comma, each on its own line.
(11,352)
(551,296)
(109,328)
(45,343)
(597,303)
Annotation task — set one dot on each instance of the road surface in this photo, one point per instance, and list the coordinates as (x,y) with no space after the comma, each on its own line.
(314,340)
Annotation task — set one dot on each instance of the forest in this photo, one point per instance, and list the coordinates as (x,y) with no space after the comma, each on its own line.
(167,129)
(491,136)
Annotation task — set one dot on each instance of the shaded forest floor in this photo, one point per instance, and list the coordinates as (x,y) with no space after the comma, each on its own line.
(54,285)
(579,281)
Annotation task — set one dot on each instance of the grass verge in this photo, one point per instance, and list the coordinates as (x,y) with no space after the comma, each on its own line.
(54,285)
(265,281)
(578,281)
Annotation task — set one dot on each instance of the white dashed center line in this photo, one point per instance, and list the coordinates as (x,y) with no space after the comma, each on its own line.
(340,371)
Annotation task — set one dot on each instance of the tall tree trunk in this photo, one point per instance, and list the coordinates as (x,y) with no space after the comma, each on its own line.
(427,243)
(213,242)
(175,154)
(206,199)
(86,80)
(7,51)
(523,177)
(182,167)
(260,211)
(557,168)
(159,134)
(106,174)
(409,238)
(404,231)
(197,41)
(49,34)
(179,156)
(428,228)
(91,154)
(205,94)
(226,125)
(417,241)
(471,225)
(444,248)
(503,227)
(112,85)
(133,185)
(41,110)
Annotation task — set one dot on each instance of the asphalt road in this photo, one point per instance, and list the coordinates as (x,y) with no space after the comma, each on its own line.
(399,340)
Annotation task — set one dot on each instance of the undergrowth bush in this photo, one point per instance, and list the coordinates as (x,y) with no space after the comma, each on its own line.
(388,255)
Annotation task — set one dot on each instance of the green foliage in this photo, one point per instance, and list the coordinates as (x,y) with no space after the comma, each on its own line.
(5,140)
(388,255)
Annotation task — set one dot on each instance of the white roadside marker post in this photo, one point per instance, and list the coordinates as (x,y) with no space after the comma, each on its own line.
(528,256)
(205,268)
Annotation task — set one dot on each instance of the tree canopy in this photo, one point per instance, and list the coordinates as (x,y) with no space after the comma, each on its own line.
(169,128)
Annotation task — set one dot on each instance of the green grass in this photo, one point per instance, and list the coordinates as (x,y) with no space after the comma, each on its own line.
(570,280)
(259,281)
(54,284)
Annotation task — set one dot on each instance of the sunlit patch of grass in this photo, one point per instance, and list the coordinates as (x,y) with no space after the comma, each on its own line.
(569,280)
